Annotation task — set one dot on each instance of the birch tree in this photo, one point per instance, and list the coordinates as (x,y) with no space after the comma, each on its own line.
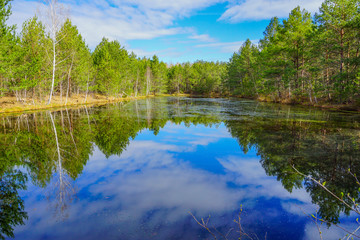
(55,15)
(76,59)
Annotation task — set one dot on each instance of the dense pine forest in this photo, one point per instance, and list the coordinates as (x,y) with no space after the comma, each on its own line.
(303,58)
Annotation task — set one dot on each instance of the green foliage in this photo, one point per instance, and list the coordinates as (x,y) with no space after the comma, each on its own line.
(32,56)
(7,47)
(242,70)
(109,59)
(159,72)
(11,205)
(301,59)
(76,63)
(199,77)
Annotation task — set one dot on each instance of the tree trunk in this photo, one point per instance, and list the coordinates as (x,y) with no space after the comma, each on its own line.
(136,84)
(68,91)
(87,89)
(61,92)
(53,71)
(147,81)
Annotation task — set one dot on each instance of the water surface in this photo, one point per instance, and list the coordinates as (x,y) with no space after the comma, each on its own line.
(138,170)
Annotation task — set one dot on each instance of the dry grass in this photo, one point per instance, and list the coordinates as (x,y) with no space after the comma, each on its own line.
(353,107)
(10,105)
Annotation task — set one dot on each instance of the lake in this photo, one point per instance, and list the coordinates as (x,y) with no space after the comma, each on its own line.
(148,169)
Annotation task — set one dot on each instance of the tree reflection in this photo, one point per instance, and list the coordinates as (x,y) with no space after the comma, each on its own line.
(62,189)
(11,205)
(320,150)
(53,148)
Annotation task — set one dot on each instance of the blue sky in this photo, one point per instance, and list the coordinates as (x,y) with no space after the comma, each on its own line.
(175,30)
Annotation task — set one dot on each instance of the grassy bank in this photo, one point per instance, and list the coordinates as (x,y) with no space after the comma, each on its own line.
(353,107)
(11,105)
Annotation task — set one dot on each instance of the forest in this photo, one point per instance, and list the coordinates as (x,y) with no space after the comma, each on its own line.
(303,58)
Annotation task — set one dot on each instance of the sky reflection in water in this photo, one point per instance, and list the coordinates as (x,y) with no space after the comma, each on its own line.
(148,191)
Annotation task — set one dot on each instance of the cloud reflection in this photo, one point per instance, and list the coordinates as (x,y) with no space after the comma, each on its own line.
(150,188)
(249,172)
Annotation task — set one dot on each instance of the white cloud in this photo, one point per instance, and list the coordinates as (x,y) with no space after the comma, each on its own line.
(150,182)
(249,171)
(121,20)
(126,20)
(266,9)
(186,189)
(21,11)
(333,232)
(142,52)
(168,52)
(226,47)
(179,7)
(202,38)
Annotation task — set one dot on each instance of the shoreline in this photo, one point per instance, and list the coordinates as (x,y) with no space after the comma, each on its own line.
(353,108)
(322,105)
(9,105)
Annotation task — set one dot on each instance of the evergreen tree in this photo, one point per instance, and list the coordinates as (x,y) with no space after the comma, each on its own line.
(32,58)
(7,47)
(335,18)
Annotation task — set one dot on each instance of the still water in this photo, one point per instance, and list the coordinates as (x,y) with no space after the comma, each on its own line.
(144,169)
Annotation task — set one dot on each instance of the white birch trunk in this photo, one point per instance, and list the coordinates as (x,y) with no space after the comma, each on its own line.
(53,71)
(147,81)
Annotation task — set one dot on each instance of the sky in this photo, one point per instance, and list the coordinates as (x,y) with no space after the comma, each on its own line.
(175,30)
